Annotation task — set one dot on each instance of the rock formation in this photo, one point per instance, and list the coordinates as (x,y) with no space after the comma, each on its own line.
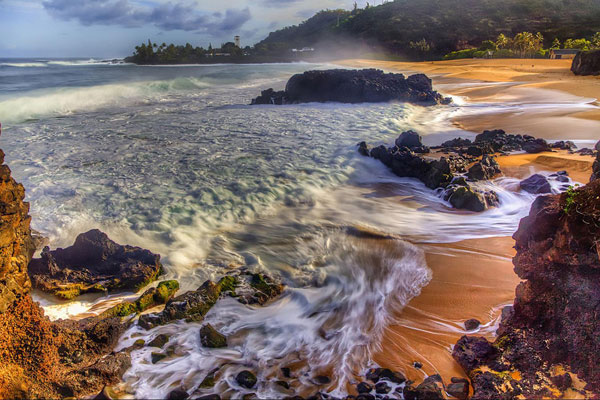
(596,166)
(498,141)
(16,243)
(444,172)
(354,86)
(552,332)
(586,63)
(93,264)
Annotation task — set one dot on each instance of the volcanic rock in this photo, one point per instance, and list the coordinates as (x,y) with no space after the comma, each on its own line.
(564,145)
(210,337)
(553,325)
(536,184)
(246,379)
(586,63)
(472,324)
(93,263)
(536,146)
(354,86)
(485,169)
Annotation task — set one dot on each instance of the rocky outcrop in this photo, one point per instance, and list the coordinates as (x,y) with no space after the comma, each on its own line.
(354,86)
(586,63)
(16,243)
(246,287)
(497,141)
(553,329)
(444,173)
(93,264)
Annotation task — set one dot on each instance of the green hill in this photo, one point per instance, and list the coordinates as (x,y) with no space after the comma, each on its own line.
(445,25)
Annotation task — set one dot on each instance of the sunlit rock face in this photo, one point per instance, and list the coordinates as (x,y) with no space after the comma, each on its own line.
(550,337)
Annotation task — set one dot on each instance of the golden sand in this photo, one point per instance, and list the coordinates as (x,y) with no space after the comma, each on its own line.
(526,79)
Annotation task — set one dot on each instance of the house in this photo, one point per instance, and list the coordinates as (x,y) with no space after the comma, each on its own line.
(560,54)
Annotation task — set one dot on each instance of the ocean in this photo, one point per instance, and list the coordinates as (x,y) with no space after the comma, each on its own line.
(173,159)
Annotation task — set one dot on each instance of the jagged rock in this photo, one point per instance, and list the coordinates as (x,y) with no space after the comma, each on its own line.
(553,325)
(498,140)
(586,63)
(363,149)
(485,169)
(354,86)
(270,96)
(246,379)
(457,142)
(536,146)
(210,337)
(376,374)
(16,243)
(159,341)
(432,388)
(412,141)
(93,263)
(536,184)
(246,287)
(460,390)
(564,145)
(472,324)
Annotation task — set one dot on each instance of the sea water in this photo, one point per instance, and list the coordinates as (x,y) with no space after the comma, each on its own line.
(173,159)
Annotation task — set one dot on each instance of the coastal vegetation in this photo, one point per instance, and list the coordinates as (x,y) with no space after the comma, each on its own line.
(406,29)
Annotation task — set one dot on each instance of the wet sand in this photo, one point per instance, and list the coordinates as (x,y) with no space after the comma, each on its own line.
(471,279)
(572,111)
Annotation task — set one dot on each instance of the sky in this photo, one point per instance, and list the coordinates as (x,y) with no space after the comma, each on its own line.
(112,28)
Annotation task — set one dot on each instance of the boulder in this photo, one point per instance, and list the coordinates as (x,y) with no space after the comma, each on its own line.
(409,139)
(586,63)
(354,86)
(432,388)
(364,387)
(210,337)
(159,341)
(457,142)
(536,146)
(460,390)
(377,374)
(472,324)
(178,394)
(382,388)
(93,264)
(536,184)
(465,198)
(485,169)
(564,145)
(596,169)
(246,379)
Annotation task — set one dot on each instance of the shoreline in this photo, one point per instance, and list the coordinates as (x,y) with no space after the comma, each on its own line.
(475,278)
(568,106)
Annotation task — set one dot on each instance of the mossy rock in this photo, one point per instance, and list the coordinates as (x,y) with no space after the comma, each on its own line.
(246,379)
(165,291)
(208,382)
(228,284)
(210,337)
(159,341)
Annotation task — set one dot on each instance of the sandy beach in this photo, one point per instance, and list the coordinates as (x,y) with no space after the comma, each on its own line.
(514,81)
(475,278)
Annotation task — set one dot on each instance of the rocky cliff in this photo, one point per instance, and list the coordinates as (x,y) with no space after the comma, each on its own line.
(548,342)
(40,358)
(16,243)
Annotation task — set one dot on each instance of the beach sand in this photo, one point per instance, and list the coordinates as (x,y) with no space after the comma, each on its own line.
(514,81)
(475,278)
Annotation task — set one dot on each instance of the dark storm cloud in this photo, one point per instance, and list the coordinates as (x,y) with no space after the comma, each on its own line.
(168,16)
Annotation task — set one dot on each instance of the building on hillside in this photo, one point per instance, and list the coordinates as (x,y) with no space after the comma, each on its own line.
(237,41)
(561,54)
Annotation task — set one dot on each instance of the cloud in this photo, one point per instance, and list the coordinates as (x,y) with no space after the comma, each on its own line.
(169,16)
(279,3)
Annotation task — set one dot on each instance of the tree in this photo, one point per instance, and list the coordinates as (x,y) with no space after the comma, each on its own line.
(488,45)
(555,44)
(579,44)
(596,40)
(502,41)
